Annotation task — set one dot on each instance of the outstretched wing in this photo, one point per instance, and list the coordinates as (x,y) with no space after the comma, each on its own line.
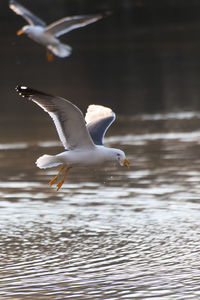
(68,119)
(26,14)
(67,24)
(98,119)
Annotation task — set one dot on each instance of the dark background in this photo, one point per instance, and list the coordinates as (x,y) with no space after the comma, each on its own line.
(144,58)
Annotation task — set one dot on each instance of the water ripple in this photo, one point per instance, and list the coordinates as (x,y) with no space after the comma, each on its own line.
(109,233)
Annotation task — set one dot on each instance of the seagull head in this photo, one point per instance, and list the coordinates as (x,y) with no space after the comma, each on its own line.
(30,29)
(24,29)
(119,155)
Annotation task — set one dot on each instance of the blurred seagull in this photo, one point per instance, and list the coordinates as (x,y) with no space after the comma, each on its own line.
(48,35)
(82,139)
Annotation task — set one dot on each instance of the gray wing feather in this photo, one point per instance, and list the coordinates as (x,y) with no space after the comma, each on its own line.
(98,119)
(68,24)
(26,14)
(97,129)
(68,119)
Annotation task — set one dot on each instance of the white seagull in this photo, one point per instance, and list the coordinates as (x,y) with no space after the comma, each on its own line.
(45,35)
(82,139)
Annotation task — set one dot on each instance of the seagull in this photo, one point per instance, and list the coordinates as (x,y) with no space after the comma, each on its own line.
(47,36)
(81,138)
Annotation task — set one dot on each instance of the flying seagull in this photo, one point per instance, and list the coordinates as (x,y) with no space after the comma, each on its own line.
(82,139)
(47,35)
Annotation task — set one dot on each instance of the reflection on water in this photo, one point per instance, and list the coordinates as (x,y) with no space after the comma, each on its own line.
(110,233)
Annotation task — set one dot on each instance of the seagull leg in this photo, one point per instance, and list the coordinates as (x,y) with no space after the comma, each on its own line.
(64,177)
(49,55)
(56,177)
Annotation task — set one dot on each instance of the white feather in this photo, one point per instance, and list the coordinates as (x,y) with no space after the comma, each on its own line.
(47,161)
(95,112)
(60,50)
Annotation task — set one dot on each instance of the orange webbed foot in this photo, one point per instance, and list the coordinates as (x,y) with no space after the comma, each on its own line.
(56,177)
(63,180)
(50,56)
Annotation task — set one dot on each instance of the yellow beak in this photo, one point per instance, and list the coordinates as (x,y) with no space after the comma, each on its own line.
(19,32)
(126,163)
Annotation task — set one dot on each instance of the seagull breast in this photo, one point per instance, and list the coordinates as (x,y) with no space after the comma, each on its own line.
(38,34)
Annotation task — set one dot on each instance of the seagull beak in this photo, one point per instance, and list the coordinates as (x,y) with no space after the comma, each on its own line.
(126,163)
(19,32)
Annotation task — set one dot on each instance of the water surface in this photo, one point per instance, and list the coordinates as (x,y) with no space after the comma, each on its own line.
(109,233)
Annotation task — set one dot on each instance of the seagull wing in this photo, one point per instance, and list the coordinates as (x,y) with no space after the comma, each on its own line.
(67,24)
(68,119)
(25,13)
(98,119)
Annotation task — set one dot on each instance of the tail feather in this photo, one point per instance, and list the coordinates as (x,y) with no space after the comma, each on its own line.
(60,50)
(47,161)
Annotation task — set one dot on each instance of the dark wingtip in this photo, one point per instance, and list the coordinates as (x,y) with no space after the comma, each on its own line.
(22,90)
(19,88)
(108,13)
(104,14)
(25,91)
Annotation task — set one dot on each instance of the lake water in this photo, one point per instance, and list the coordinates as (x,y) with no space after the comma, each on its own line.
(109,233)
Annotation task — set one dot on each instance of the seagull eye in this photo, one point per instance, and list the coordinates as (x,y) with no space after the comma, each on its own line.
(118,156)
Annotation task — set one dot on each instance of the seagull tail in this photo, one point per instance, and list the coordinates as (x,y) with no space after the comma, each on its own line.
(47,161)
(60,50)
